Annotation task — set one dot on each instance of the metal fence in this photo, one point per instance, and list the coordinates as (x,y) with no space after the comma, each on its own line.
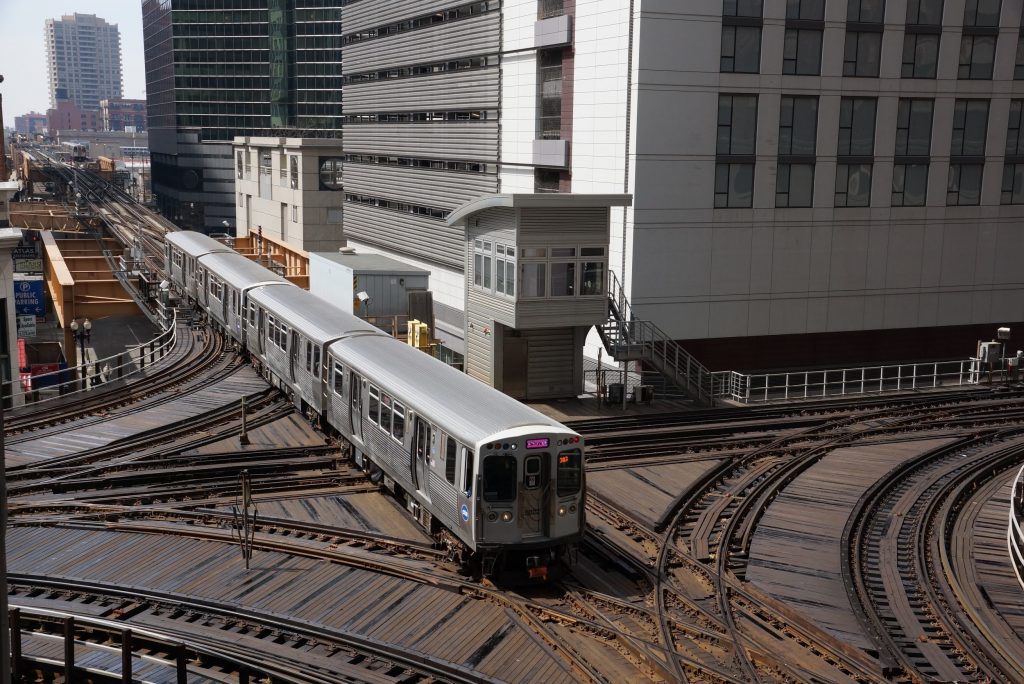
(625,386)
(817,384)
(37,389)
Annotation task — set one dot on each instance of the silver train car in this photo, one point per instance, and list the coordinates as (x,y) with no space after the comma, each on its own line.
(499,484)
(182,251)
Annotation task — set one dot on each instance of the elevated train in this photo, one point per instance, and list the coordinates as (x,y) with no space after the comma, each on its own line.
(498,483)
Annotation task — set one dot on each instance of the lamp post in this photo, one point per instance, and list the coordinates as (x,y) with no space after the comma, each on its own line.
(81,334)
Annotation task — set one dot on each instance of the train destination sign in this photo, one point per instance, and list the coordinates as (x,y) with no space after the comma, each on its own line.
(541,443)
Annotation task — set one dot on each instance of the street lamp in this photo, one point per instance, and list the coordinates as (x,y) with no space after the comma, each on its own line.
(81,334)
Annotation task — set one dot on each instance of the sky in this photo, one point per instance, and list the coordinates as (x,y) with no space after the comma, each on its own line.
(23,52)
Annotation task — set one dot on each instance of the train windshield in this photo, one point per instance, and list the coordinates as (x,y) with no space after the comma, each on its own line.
(500,478)
(570,472)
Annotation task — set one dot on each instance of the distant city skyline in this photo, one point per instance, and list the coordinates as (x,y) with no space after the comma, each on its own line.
(25,86)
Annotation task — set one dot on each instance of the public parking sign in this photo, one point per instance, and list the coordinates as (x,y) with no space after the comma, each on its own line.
(29,298)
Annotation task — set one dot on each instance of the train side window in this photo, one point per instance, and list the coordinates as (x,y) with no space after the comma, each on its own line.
(398,424)
(316,361)
(374,405)
(500,478)
(451,448)
(339,379)
(309,357)
(385,412)
(570,472)
(271,329)
(252,314)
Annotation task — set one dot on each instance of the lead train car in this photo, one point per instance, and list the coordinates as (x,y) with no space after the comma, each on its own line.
(486,473)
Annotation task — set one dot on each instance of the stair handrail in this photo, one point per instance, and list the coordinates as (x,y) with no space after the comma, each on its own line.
(684,365)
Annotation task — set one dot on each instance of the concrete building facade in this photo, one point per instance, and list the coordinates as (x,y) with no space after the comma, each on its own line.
(120,114)
(30,124)
(83,60)
(292,189)
(813,182)
(243,67)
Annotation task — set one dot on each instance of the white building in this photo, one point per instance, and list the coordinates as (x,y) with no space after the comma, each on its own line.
(292,188)
(813,182)
(83,60)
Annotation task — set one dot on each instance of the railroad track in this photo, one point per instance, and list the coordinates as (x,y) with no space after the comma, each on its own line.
(694,555)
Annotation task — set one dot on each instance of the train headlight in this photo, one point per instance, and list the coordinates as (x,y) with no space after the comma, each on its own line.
(572,508)
(492,516)
(507,516)
(561,510)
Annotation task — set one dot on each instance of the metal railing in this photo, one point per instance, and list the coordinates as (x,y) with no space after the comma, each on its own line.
(1014,532)
(38,389)
(630,338)
(817,384)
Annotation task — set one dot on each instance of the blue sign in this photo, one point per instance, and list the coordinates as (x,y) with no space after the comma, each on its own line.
(465,513)
(29,297)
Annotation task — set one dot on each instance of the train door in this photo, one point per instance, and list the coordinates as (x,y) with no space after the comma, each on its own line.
(355,404)
(261,332)
(533,500)
(421,443)
(293,354)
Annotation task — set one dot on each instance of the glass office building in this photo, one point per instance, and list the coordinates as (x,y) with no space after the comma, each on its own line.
(216,70)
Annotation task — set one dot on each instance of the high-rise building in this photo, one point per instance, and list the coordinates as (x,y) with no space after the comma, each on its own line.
(244,68)
(30,124)
(83,60)
(813,182)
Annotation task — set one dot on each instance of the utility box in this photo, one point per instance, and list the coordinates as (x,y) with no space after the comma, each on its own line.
(365,284)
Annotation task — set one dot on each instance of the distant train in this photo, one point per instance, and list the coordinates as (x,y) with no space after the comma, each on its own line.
(75,151)
(498,483)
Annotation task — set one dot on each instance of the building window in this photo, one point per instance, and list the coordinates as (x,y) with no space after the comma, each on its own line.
(545,10)
(574,271)
(546,180)
(801,52)
(737,133)
(865,11)
(978,42)
(238,165)
(266,164)
(295,213)
(293,167)
(921,38)
(798,132)
(331,173)
(549,105)
(982,13)
(976,56)
(920,54)
(855,154)
(1018,64)
(912,155)
(741,36)
(483,257)
(505,270)
(967,152)
(1013,166)
(863,53)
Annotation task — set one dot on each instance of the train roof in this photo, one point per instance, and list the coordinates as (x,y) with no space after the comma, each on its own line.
(466,407)
(238,271)
(317,318)
(196,244)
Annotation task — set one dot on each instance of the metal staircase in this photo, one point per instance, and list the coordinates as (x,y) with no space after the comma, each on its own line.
(627,338)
